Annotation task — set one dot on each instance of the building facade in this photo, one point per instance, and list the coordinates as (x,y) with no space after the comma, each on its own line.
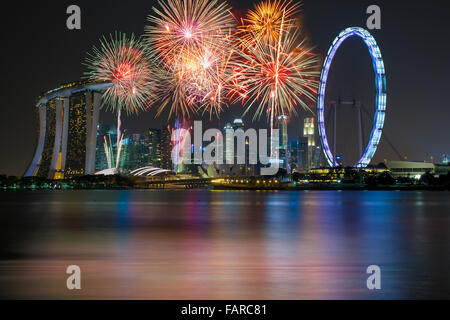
(283,150)
(68,118)
(309,134)
(410,169)
(230,148)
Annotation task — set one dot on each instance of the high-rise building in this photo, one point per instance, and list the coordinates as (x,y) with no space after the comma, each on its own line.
(283,142)
(245,169)
(68,119)
(303,154)
(294,155)
(166,149)
(236,168)
(135,152)
(160,148)
(445,159)
(316,157)
(154,137)
(225,169)
(309,133)
(140,150)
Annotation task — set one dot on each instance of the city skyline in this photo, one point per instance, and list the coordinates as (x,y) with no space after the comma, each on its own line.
(418,138)
(215,150)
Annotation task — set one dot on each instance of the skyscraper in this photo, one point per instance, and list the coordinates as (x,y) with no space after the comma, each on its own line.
(166,149)
(231,148)
(154,144)
(303,150)
(136,152)
(309,134)
(228,152)
(283,142)
(294,155)
(160,148)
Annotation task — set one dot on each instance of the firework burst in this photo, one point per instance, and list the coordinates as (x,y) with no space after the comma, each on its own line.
(171,91)
(277,76)
(268,20)
(127,64)
(208,80)
(192,40)
(185,26)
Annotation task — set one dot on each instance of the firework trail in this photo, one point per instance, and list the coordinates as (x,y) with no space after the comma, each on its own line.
(119,149)
(127,64)
(107,152)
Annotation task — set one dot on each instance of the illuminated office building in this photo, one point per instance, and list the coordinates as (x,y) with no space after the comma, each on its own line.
(166,149)
(309,134)
(295,156)
(317,157)
(135,152)
(445,159)
(303,150)
(225,168)
(68,118)
(236,169)
(160,148)
(154,145)
(283,142)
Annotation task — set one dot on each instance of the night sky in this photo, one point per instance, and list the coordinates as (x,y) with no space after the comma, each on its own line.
(39,53)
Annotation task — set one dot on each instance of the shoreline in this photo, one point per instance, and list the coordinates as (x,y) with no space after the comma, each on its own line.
(249,188)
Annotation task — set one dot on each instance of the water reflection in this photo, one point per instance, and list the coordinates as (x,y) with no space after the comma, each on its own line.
(201,244)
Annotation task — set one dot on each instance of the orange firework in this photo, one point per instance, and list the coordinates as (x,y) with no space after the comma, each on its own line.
(268,20)
(197,82)
(277,75)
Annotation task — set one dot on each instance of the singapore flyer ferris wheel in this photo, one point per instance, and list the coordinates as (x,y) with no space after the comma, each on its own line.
(380,96)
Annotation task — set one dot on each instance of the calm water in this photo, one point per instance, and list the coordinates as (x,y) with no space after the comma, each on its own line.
(202,244)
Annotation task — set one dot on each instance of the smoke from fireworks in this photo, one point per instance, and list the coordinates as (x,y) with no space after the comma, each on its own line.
(127,64)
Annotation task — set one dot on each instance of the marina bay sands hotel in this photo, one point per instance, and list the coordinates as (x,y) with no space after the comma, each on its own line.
(68,118)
